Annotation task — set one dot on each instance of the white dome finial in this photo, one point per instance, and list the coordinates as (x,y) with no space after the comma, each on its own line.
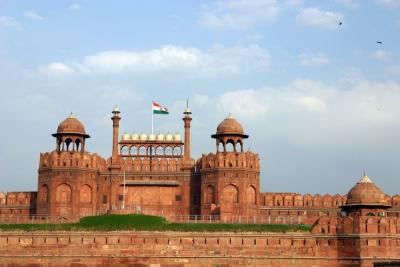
(365,180)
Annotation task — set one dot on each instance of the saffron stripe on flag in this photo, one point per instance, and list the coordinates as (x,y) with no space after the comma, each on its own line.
(159,109)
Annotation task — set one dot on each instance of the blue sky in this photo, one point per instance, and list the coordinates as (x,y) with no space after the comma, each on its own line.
(318,99)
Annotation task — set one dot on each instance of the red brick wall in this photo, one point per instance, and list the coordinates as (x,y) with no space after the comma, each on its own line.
(291,249)
(17,203)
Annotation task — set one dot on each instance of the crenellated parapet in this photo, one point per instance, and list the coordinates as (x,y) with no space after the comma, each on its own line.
(65,159)
(341,225)
(246,160)
(17,198)
(17,203)
(297,200)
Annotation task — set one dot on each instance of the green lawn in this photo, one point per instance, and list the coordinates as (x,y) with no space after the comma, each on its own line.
(151,223)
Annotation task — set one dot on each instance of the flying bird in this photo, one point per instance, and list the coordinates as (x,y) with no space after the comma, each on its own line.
(340,23)
(379,42)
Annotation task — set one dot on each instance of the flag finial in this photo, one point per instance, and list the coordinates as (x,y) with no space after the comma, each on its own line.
(187,110)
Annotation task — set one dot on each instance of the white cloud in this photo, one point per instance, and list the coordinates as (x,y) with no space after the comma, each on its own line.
(239,14)
(311,60)
(33,15)
(74,6)
(244,103)
(311,103)
(351,75)
(388,3)
(219,59)
(9,22)
(56,68)
(315,17)
(312,113)
(381,55)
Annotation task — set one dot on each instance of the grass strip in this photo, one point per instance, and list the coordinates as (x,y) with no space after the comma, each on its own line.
(151,223)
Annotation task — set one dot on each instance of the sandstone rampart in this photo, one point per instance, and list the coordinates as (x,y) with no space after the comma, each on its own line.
(186,248)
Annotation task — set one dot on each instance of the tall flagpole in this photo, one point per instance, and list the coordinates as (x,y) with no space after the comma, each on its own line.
(152,118)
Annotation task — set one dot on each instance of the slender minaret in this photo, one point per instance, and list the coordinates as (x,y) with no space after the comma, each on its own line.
(187,119)
(115,119)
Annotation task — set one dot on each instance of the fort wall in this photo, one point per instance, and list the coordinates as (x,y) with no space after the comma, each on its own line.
(308,208)
(17,203)
(182,248)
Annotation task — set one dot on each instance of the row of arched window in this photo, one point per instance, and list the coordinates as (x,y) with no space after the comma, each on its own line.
(64,194)
(230,146)
(146,151)
(69,144)
(230,194)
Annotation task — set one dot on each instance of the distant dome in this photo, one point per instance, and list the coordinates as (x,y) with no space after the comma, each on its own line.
(366,193)
(152,137)
(71,125)
(160,137)
(177,137)
(168,137)
(230,126)
(125,136)
(143,137)
(134,136)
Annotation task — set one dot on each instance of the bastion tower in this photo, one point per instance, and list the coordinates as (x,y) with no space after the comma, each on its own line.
(230,182)
(68,174)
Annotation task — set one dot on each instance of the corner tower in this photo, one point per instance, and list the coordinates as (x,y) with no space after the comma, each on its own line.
(365,199)
(230,182)
(67,175)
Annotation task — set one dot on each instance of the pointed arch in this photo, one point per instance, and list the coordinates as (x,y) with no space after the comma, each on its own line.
(64,194)
(44,193)
(251,195)
(210,195)
(230,194)
(85,194)
(230,146)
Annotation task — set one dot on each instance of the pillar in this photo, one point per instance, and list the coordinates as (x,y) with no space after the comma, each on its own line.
(187,120)
(115,119)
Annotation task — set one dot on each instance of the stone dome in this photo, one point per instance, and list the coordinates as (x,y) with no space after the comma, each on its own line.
(366,193)
(71,125)
(143,137)
(230,126)
(135,136)
(125,136)
(152,137)
(168,137)
(177,137)
(160,137)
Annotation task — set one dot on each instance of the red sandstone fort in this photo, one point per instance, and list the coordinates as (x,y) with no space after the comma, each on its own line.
(156,174)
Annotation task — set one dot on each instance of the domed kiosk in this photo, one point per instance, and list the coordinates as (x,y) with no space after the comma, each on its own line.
(71,135)
(229,131)
(365,199)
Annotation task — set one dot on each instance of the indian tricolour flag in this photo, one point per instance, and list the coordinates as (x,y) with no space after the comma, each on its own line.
(159,109)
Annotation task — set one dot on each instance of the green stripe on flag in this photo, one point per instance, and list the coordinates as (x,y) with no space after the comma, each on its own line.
(160,112)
